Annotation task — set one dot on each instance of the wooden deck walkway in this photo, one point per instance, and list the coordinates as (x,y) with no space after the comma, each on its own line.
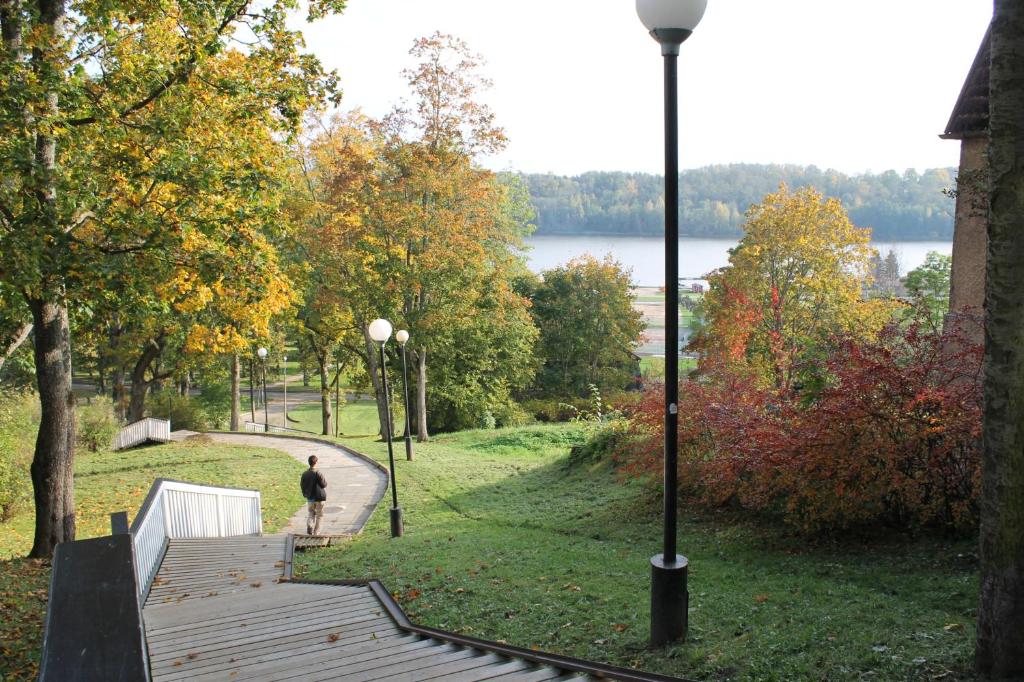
(219,610)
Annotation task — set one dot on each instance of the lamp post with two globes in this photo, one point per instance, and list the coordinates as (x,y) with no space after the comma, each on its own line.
(262,352)
(670,22)
(403,337)
(284,381)
(380,332)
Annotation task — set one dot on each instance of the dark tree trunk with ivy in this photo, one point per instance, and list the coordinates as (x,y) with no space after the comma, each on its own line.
(1000,640)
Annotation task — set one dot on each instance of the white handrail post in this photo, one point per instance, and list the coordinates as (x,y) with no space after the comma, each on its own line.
(160,497)
(220,515)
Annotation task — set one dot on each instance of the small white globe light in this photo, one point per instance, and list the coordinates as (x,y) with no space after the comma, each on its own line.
(402,336)
(380,330)
(671,14)
(262,352)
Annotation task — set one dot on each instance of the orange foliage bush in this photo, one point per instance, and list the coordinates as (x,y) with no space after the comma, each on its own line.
(892,435)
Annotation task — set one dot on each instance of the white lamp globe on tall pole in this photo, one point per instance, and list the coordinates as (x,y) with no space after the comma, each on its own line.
(380,332)
(670,22)
(403,337)
(262,352)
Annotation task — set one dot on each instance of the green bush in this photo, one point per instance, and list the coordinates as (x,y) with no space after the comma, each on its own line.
(19,421)
(474,407)
(603,441)
(215,401)
(510,414)
(183,411)
(549,410)
(97,424)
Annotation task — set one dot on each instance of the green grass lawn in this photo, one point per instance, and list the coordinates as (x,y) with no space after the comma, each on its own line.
(358,418)
(108,482)
(506,540)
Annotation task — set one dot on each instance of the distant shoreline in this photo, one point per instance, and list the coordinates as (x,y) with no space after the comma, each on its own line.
(725,238)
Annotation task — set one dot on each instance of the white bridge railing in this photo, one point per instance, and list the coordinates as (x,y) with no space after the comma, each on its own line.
(144,430)
(185,510)
(260,427)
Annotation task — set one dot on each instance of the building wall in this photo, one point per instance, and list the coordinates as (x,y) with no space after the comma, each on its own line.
(970,233)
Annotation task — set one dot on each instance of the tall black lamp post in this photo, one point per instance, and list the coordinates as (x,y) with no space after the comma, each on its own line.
(262,352)
(380,331)
(403,337)
(670,22)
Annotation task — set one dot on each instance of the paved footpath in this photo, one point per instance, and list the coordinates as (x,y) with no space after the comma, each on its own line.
(354,486)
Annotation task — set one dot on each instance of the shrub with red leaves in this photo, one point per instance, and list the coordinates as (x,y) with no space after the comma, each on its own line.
(892,436)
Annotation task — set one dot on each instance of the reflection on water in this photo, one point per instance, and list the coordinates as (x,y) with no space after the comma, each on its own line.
(645,255)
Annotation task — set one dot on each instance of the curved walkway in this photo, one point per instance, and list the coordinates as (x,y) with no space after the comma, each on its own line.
(354,484)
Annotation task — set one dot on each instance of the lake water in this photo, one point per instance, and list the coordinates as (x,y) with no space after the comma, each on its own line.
(645,256)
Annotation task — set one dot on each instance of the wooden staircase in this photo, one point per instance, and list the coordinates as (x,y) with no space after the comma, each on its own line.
(220,609)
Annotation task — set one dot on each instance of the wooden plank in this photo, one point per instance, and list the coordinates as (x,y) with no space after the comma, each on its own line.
(230,606)
(206,661)
(194,638)
(366,669)
(265,616)
(322,630)
(322,654)
(476,662)
(329,625)
(536,675)
(441,655)
(254,610)
(503,668)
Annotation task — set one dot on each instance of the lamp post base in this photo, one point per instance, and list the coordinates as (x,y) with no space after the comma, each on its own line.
(397,527)
(669,600)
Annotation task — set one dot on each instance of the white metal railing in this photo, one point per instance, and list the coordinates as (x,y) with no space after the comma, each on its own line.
(141,431)
(186,510)
(259,427)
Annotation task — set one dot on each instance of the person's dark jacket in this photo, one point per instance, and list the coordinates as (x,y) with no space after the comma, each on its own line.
(313,485)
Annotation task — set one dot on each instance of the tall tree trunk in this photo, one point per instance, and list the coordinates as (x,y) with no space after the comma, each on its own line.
(14,342)
(117,391)
(252,393)
(101,377)
(140,386)
(236,392)
(53,464)
(1000,641)
(372,362)
(422,436)
(325,394)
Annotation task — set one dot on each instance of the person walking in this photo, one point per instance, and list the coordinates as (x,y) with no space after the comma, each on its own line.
(314,489)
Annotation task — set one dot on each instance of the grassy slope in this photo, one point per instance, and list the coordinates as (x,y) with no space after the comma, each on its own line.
(504,540)
(109,482)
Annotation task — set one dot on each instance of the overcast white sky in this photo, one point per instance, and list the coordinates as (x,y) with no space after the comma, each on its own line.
(854,85)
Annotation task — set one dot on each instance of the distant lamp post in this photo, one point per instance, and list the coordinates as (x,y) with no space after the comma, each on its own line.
(402,337)
(670,22)
(262,352)
(284,380)
(380,331)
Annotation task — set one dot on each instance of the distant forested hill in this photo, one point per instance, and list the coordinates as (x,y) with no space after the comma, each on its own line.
(713,200)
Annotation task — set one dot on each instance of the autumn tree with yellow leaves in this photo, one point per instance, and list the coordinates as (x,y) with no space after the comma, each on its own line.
(795,280)
(125,130)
